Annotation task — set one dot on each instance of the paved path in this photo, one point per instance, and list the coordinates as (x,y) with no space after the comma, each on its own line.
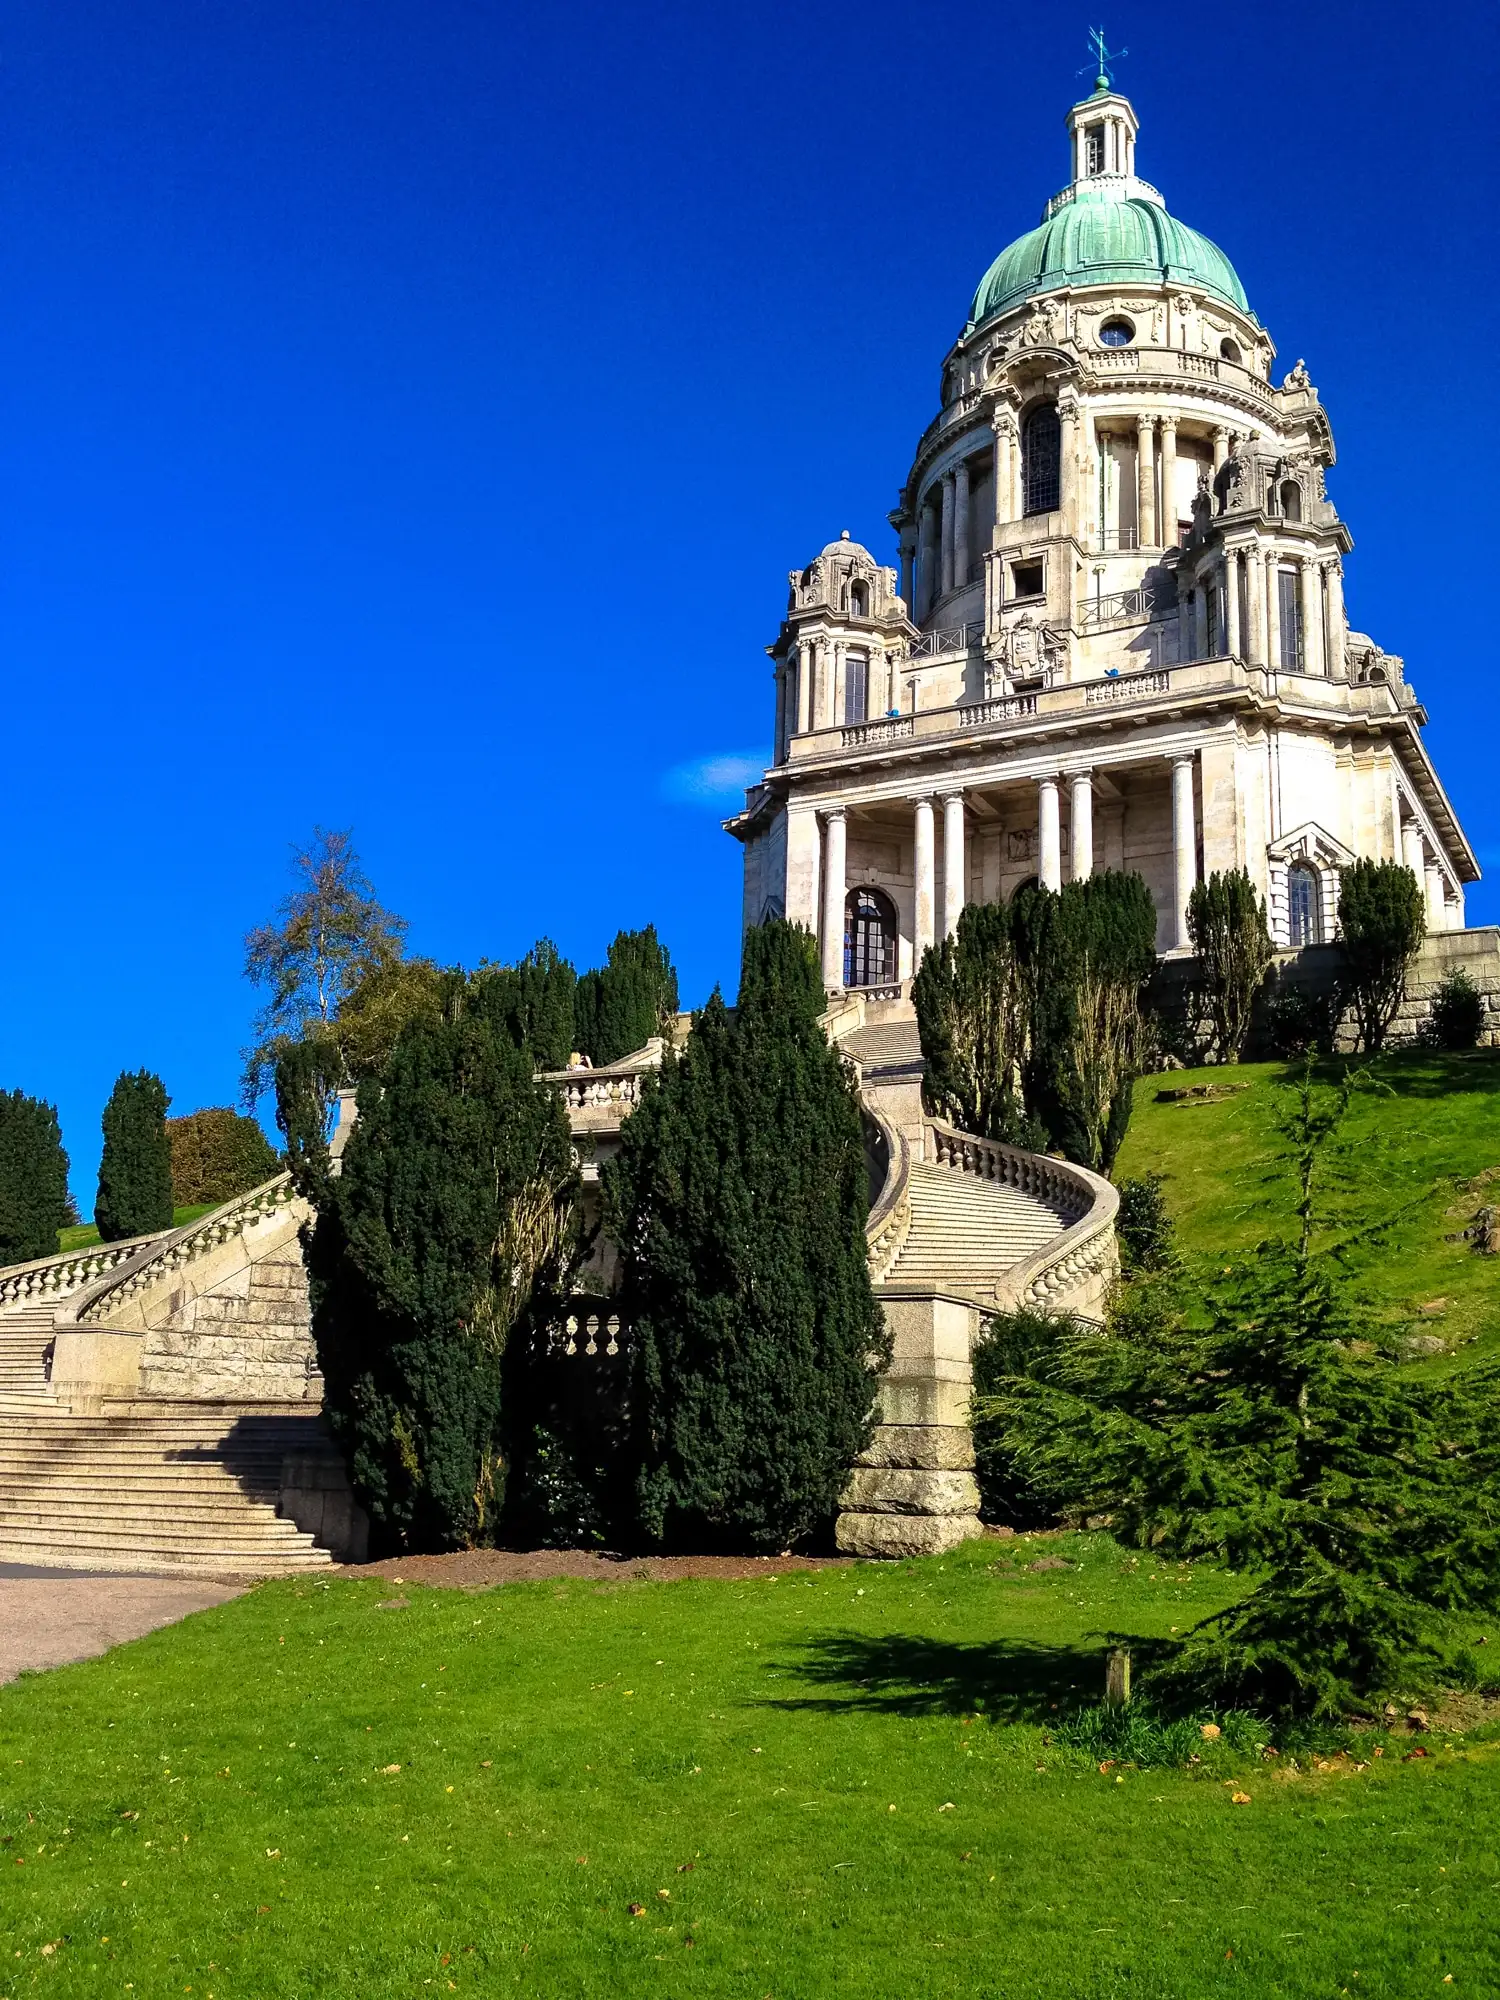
(48,1617)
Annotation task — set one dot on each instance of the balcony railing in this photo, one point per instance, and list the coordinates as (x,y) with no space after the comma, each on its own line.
(948,639)
(1125,607)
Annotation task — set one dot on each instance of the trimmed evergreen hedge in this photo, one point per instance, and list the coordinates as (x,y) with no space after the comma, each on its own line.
(34,1202)
(135,1169)
(738,1201)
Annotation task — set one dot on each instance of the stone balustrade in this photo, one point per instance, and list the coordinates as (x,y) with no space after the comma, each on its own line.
(598,1089)
(1058,1182)
(889,1220)
(55,1277)
(591,1329)
(161,1255)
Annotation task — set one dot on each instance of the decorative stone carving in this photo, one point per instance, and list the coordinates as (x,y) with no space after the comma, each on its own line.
(1020,844)
(1297,377)
(1028,650)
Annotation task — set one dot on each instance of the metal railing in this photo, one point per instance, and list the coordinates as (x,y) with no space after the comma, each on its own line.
(1124,607)
(948,639)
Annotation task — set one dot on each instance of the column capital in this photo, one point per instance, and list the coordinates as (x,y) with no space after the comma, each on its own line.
(950,794)
(1145,420)
(1180,757)
(1169,423)
(832,813)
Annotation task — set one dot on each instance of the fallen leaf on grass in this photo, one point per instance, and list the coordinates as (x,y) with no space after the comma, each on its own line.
(636,1909)
(389,1770)
(273,1854)
(1240,1799)
(1210,1732)
(949,1807)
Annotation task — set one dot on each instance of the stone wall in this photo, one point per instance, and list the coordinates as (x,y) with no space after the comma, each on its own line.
(246,1336)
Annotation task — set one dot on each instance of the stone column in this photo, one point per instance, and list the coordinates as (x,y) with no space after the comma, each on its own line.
(1221,448)
(946,582)
(1067,470)
(1310,597)
(1184,848)
(908,552)
(922,866)
(836,681)
(1185,595)
(1081,795)
(1412,851)
(927,559)
(1437,902)
(1168,523)
(1338,631)
(1200,620)
(834,891)
(1145,481)
(781,673)
(825,684)
(955,862)
(961,525)
(1049,835)
(1002,424)
(804,686)
(1232,603)
(1255,591)
(803,882)
(1273,610)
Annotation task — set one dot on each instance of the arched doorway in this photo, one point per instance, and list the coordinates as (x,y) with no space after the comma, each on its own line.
(869,939)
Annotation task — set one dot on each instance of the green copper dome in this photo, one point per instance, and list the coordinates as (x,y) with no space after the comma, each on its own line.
(1098,239)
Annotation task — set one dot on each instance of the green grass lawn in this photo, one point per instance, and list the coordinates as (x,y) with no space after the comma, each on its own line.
(1428,1122)
(828,1784)
(83,1234)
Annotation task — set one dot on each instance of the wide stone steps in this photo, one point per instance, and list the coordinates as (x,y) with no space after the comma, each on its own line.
(193,1489)
(25,1334)
(966,1233)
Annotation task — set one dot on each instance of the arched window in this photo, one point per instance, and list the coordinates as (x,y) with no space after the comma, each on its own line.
(1291,500)
(1302,899)
(869,939)
(1229,350)
(1041,459)
(859,601)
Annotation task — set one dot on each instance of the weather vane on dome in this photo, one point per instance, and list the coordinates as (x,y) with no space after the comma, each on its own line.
(1102,59)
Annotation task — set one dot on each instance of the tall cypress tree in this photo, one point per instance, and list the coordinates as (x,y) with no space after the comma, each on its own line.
(532,1000)
(739,1201)
(33,1178)
(450,1223)
(972,1025)
(620,1006)
(135,1170)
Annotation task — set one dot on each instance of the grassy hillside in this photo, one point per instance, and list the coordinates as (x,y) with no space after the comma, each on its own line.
(83,1234)
(1425,1125)
(842,1783)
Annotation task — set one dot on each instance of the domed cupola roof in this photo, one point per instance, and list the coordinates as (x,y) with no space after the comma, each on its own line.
(1106,228)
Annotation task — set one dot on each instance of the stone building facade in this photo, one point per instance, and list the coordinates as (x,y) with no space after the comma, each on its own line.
(1117,637)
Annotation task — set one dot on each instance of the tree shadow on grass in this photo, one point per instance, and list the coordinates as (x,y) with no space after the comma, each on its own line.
(1008,1680)
(1421,1072)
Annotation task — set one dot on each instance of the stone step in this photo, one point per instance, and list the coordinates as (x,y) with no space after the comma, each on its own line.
(149,1559)
(173,1521)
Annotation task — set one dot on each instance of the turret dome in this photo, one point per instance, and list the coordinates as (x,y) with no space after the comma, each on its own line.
(1106,228)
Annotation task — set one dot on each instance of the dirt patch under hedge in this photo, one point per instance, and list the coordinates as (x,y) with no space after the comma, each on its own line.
(471,1569)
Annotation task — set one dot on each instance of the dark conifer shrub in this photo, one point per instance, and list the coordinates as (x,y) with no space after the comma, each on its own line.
(1084,958)
(449,1229)
(1382,923)
(34,1198)
(620,1006)
(1227,923)
(739,1201)
(972,1023)
(135,1169)
(533,1000)
(217,1154)
(1144,1225)
(1457,1013)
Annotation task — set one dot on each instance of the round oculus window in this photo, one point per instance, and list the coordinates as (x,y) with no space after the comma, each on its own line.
(1116,333)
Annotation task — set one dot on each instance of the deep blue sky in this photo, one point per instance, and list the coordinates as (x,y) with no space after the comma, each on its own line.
(409,414)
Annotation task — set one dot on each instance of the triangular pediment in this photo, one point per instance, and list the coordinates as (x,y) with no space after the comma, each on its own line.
(1311,842)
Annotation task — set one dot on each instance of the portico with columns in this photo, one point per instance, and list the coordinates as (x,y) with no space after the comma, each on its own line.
(1115,635)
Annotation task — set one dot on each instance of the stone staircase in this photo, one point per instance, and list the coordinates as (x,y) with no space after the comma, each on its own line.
(180,1429)
(965,1234)
(163,1490)
(25,1335)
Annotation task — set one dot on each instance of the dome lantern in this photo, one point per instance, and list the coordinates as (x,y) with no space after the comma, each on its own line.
(1106,227)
